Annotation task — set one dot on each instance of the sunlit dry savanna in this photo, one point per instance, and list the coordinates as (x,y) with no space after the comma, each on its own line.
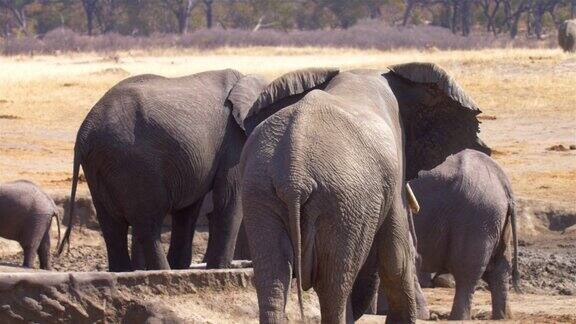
(527,96)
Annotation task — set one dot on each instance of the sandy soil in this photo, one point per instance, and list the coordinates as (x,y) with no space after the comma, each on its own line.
(527,97)
(529,106)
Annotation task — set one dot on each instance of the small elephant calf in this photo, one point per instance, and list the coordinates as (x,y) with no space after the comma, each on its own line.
(25,216)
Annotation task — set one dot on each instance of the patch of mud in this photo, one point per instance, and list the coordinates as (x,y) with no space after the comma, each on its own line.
(548,268)
(561,148)
(10,117)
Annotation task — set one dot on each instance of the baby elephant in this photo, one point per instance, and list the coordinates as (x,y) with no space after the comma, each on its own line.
(25,216)
(464,226)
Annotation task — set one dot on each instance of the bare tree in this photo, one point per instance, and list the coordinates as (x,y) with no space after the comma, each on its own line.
(106,14)
(16,7)
(410,4)
(490,8)
(182,10)
(208,9)
(466,16)
(90,11)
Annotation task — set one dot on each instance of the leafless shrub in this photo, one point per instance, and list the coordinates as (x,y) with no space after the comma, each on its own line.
(367,35)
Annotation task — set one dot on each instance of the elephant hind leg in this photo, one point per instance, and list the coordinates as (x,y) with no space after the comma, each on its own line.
(29,255)
(272,259)
(497,278)
(149,238)
(44,251)
(466,278)
(467,263)
(397,269)
(115,232)
(183,226)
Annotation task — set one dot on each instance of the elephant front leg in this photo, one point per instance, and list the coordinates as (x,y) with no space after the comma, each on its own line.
(225,220)
(183,226)
(137,254)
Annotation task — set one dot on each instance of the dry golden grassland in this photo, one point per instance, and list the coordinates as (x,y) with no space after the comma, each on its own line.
(528,98)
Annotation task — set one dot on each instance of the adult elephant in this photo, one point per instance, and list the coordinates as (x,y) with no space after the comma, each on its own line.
(567,35)
(324,174)
(465,226)
(154,145)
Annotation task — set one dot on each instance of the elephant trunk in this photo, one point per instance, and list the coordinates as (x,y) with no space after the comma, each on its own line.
(76,171)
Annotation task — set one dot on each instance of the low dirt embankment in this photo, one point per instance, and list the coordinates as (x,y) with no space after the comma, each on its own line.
(547,265)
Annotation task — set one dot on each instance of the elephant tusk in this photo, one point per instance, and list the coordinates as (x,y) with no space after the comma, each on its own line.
(412,202)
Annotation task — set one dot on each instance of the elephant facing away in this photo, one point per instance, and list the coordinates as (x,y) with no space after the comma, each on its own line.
(153,146)
(465,225)
(324,170)
(26,214)
(567,35)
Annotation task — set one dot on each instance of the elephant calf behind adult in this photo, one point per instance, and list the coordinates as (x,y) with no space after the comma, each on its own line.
(467,212)
(25,216)
(154,145)
(567,35)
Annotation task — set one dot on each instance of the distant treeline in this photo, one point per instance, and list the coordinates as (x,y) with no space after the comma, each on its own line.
(365,35)
(36,18)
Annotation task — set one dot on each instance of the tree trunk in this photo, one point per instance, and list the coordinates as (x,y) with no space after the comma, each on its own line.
(183,23)
(89,22)
(89,9)
(455,10)
(538,13)
(208,4)
(408,11)
(446,15)
(466,17)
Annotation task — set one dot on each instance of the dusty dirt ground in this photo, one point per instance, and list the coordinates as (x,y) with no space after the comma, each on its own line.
(529,102)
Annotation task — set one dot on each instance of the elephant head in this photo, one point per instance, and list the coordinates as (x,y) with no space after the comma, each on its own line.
(438,117)
(251,107)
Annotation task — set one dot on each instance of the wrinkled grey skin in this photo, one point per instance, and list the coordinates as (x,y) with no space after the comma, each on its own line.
(464,226)
(154,146)
(567,36)
(26,215)
(323,178)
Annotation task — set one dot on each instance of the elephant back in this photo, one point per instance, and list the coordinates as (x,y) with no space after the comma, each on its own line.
(147,108)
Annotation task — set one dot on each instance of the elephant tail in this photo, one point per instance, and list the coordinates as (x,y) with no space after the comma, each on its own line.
(76,171)
(55,215)
(296,233)
(515,272)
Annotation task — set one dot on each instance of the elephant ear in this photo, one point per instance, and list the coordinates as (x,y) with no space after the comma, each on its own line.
(243,95)
(438,117)
(284,91)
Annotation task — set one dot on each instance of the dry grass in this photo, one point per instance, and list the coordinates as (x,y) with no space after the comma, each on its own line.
(528,98)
